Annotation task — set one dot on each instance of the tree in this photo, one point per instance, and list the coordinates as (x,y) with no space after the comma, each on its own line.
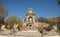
(13,20)
(58,27)
(53,21)
(3,11)
(58,18)
(42,19)
(3,14)
(58,1)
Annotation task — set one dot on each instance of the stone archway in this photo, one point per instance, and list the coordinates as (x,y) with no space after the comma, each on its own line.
(30,19)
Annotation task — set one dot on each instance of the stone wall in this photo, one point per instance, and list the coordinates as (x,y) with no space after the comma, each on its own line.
(20,35)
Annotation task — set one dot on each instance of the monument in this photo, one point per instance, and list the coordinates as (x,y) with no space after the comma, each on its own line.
(29,26)
(29,21)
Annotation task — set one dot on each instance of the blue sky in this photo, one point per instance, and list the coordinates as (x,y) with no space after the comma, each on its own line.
(19,8)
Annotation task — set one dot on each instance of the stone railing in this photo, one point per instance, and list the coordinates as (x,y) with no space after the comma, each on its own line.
(20,36)
(28,36)
(51,36)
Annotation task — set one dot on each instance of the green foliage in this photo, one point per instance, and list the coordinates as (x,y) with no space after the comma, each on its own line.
(3,14)
(14,20)
(0,26)
(58,27)
(58,18)
(42,19)
(58,1)
(52,21)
